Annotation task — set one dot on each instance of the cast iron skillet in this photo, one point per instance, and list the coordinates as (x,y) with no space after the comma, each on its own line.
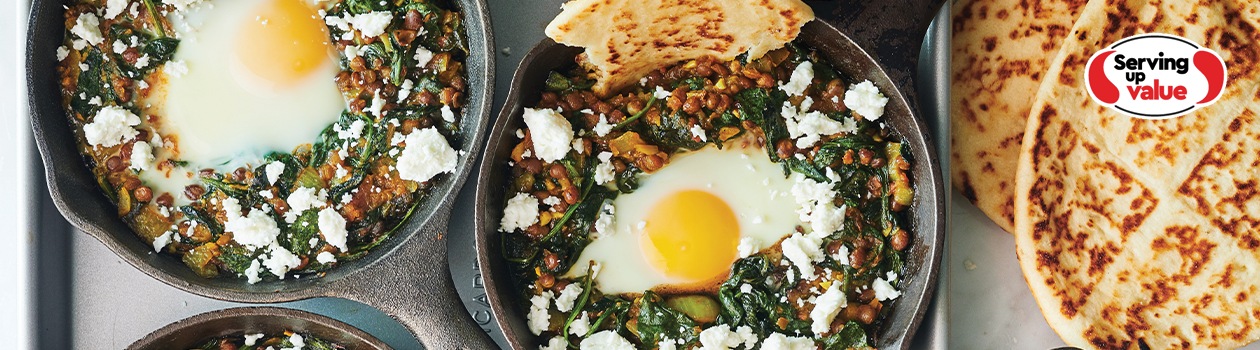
(194,331)
(928,219)
(406,277)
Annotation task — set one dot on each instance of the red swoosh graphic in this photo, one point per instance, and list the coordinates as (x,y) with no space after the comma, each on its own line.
(1214,70)
(1102,88)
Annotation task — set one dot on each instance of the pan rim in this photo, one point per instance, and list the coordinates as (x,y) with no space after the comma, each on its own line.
(268,313)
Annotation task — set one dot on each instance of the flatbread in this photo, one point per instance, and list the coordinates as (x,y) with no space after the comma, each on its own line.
(1136,233)
(626,39)
(1001,49)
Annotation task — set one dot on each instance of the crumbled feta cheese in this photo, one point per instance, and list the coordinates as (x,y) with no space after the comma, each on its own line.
(551,201)
(325,258)
(62,53)
(95,101)
(538,318)
(351,132)
(175,69)
(865,100)
(842,255)
(423,56)
(370,24)
(825,309)
(556,343)
(254,230)
(605,340)
(520,134)
(568,295)
(721,337)
(826,218)
(660,93)
(747,247)
(580,325)
(279,260)
(745,288)
(142,62)
(141,156)
(602,128)
(251,272)
(119,46)
(816,205)
(426,155)
(351,51)
(552,134)
(297,341)
(87,26)
(809,127)
(114,7)
(111,126)
(404,90)
(604,172)
(579,146)
(251,339)
(604,223)
(884,290)
(333,227)
(800,80)
(447,114)
(273,170)
(777,341)
(304,198)
(377,106)
(802,251)
(161,241)
(698,132)
(521,212)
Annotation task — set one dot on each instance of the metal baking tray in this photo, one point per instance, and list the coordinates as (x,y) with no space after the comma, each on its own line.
(85,297)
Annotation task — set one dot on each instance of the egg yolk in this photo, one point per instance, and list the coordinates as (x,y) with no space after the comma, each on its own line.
(284,42)
(691,235)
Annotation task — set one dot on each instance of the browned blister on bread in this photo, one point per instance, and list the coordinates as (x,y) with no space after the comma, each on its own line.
(1138,233)
(626,39)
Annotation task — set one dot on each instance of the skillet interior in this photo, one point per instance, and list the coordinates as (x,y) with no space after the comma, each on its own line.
(927,217)
(193,331)
(81,201)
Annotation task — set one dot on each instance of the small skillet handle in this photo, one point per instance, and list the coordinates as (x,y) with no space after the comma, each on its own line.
(414,286)
(891,31)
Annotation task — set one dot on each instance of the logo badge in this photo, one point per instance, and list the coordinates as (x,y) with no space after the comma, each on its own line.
(1155,76)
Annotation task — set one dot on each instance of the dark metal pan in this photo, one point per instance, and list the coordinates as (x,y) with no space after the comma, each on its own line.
(192,332)
(890,38)
(407,277)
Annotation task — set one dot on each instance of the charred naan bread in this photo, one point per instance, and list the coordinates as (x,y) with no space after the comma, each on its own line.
(1001,49)
(1145,234)
(626,39)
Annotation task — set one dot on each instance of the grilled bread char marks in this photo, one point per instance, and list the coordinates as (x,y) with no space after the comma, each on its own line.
(1001,50)
(1136,233)
(626,39)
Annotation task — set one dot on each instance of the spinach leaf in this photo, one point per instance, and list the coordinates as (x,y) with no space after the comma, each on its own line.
(286,178)
(236,258)
(851,336)
(672,134)
(557,82)
(160,50)
(752,104)
(324,143)
(758,308)
(658,321)
(359,7)
(693,83)
(202,219)
(94,82)
(628,180)
(300,232)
